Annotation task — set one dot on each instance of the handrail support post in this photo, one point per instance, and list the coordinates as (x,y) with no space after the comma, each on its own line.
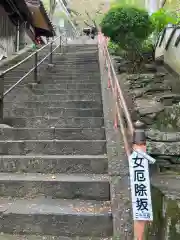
(36,68)
(60,46)
(1,98)
(51,56)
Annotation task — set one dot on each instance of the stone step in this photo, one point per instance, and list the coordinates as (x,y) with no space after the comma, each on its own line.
(62,104)
(59,67)
(52,133)
(57,97)
(70,218)
(54,112)
(71,58)
(81,62)
(81,52)
(47,237)
(78,54)
(53,147)
(64,91)
(84,47)
(74,68)
(59,74)
(65,186)
(55,80)
(59,86)
(89,164)
(48,122)
(57,91)
(69,73)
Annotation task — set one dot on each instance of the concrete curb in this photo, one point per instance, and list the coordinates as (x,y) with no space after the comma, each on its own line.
(117,166)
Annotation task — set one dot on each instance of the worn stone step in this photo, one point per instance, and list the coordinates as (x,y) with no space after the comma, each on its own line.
(88,164)
(59,73)
(75,69)
(64,86)
(54,112)
(47,237)
(66,97)
(77,58)
(74,73)
(55,76)
(39,91)
(45,122)
(66,91)
(53,147)
(74,86)
(64,82)
(56,97)
(79,63)
(56,80)
(56,217)
(62,104)
(62,69)
(81,54)
(52,133)
(68,186)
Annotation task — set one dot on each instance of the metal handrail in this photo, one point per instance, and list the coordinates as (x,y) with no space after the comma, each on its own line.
(33,69)
(121,109)
(27,58)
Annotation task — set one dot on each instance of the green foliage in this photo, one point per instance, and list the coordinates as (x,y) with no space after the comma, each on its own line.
(127,26)
(147,45)
(113,48)
(161,18)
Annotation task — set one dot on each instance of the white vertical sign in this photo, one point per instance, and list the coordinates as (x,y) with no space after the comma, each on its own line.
(140,188)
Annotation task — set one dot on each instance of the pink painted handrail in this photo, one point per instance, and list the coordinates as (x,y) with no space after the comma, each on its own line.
(121,109)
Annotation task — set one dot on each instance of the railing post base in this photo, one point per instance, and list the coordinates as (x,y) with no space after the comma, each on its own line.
(1,99)
(50,65)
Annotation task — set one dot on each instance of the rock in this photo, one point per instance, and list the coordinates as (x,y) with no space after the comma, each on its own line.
(157,135)
(138,92)
(169,99)
(140,76)
(171,159)
(150,67)
(148,106)
(123,67)
(160,74)
(156,89)
(118,59)
(147,120)
(164,148)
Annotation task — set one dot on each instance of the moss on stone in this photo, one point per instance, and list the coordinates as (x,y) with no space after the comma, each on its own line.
(172,219)
(154,228)
(166,223)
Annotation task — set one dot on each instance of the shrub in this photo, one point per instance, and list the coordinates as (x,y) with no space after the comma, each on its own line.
(161,18)
(127,26)
(113,48)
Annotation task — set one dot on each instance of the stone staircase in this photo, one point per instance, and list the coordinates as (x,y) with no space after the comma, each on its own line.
(54,181)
